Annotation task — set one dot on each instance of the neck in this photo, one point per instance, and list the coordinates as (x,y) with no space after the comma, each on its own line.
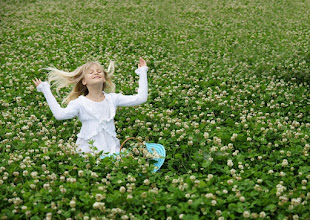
(95,91)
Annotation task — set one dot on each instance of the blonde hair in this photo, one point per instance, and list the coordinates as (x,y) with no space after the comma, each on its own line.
(63,79)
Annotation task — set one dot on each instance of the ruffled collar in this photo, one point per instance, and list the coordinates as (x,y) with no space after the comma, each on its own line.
(88,108)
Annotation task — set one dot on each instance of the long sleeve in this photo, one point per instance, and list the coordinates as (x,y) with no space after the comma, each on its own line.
(59,113)
(141,97)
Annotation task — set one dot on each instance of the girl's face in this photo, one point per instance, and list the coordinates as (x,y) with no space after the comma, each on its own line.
(93,75)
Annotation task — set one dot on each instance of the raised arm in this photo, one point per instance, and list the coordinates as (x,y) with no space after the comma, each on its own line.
(59,113)
(141,97)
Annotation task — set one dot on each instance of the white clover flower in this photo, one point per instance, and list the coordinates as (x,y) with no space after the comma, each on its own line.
(230,163)
(295,217)
(270,172)
(284,162)
(24,207)
(46,186)
(213,202)
(246,214)
(94,175)
(122,189)
(143,195)
(283,199)
(99,197)
(72,204)
(192,178)
(262,214)
(146,182)
(125,217)
(80,173)
(96,205)
(209,195)
(206,135)
(34,174)
(49,215)
(233,137)
(218,212)
(296,202)
(282,173)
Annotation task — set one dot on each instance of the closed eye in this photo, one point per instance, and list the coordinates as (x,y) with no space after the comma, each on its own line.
(98,71)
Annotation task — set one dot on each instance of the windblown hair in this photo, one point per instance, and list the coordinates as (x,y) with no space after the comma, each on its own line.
(63,79)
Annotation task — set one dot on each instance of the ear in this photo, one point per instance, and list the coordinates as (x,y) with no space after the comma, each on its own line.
(84,82)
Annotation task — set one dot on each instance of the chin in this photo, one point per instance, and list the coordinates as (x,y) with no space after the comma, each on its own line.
(97,82)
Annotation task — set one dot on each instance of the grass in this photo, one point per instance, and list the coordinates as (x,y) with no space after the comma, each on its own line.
(228,98)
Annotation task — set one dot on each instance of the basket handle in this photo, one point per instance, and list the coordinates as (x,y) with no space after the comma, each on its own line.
(129,139)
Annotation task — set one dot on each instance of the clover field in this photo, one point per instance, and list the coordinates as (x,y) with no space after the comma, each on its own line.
(228,98)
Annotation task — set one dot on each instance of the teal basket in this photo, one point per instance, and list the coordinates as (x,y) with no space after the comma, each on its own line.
(150,147)
(160,150)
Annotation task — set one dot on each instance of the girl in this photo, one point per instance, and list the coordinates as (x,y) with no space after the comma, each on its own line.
(90,102)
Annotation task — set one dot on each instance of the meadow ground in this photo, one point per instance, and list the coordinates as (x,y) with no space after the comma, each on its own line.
(228,98)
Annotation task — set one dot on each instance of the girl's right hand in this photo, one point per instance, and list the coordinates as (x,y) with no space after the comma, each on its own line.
(142,62)
(37,82)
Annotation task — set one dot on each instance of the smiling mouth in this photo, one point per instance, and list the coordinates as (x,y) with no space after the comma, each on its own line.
(97,77)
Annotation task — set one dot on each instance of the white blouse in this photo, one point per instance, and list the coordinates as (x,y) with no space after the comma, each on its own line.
(97,117)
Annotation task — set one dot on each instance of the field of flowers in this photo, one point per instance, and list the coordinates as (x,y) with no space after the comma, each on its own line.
(228,98)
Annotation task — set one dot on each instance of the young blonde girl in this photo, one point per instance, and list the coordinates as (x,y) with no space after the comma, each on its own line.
(90,101)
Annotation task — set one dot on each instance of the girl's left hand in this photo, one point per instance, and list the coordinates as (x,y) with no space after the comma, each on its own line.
(37,82)
(142,62)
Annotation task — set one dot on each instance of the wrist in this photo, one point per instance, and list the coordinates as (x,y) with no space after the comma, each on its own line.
(41,86)
(141,69)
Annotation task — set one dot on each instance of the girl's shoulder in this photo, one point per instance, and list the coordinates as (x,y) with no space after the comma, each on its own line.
(112,95)
(77,100)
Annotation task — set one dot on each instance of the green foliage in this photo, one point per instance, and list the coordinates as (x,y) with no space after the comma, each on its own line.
(228,98)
